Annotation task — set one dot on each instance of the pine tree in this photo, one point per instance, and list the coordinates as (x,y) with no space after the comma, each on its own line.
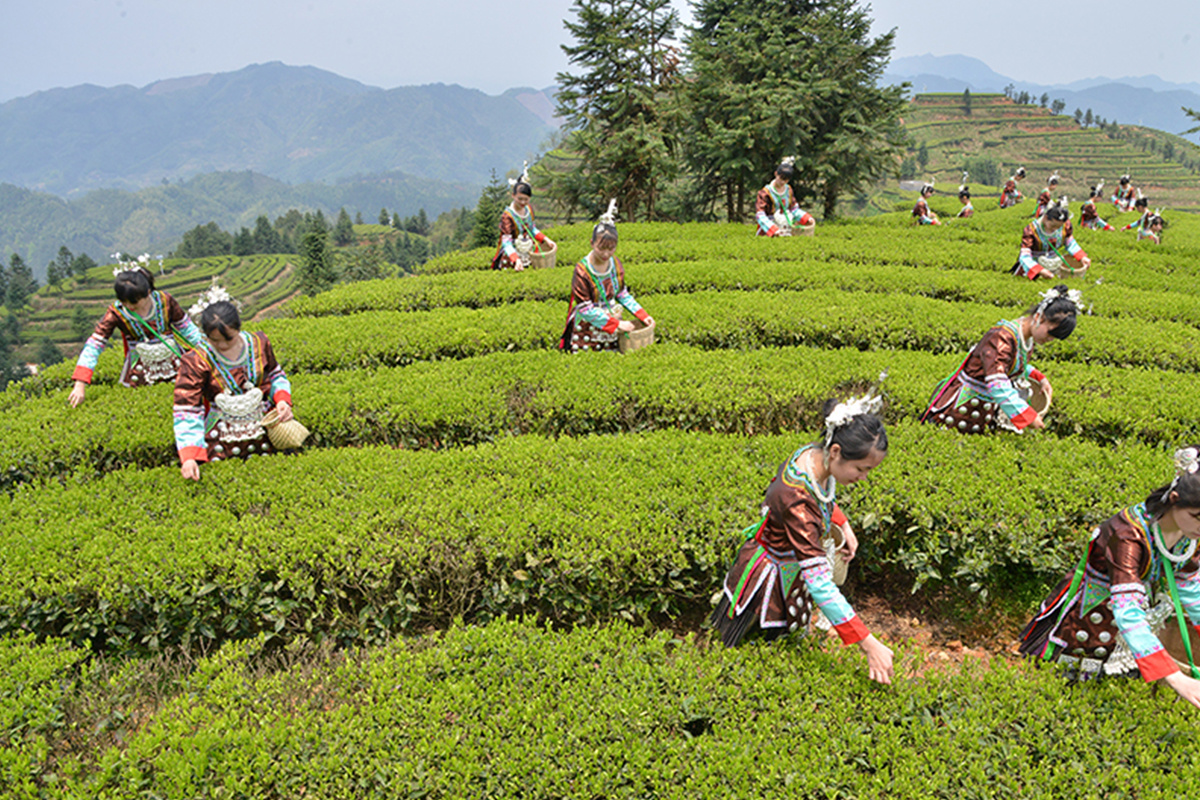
(384,219)
(81,264)
(266,238)
(48,353)
(966,101)
(243,242)
(317,269)
(422,223)
(620,108)
(492,201)
(21,284)
(790,77)
(343,231)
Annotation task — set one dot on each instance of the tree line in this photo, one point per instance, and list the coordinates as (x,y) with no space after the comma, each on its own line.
(692,129)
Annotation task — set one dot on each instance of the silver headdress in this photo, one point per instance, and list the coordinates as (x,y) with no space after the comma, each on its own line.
(788,161)
(963,185)
(1187,461)
(523,178)
(609,217)
(844,413)
(927,187)
(1053,179)
(1050,295)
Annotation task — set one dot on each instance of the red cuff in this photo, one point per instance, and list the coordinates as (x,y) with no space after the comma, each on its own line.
(773,230)
(1036,375)
(197,454)
(642,315)
(1037,270)
(1025,418)
(837,517)
(611,325)
(515,258)
(282,396)
(1156,665)
(82,373)
(852,630)
(807,219)
(1081,256)
(539,236)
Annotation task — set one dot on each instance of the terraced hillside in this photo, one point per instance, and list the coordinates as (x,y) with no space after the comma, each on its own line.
(1025,135)
(260,282)
(468,582)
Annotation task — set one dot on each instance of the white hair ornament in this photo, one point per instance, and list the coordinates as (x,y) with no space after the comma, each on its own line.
(1074,296)
(523,178)
(609,217)
(844,413)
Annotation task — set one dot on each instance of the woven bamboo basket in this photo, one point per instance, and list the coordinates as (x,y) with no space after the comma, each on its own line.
(641,336)
(804,230)
(544,259)
(284,435)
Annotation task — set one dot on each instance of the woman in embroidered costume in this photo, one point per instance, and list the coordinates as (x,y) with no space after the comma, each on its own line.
(776,210)
(599,293)
(990,388)
(1043,200)
(1123,198)
(1141,204)
(224,389)
(1088,217)
(148,320)
(1043,242)
(1102,617)
(1152,228)
(964,196)
(785,564)
(1011,195)
(921,211)
(519,236)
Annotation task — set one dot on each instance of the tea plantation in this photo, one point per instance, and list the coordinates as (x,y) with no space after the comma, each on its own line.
(470,582)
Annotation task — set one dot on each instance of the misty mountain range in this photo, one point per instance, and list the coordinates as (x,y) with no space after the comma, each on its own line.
(139,166)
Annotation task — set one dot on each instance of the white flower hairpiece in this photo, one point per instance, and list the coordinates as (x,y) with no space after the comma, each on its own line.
(964,181)
(1187,461)
(789,161)
(610,217)
(523,177)
(1053,177)
(844,413)
(215,293)
(1074,296)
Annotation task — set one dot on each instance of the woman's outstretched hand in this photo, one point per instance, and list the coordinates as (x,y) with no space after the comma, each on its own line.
(1184,686)
(879,659)
(190,470)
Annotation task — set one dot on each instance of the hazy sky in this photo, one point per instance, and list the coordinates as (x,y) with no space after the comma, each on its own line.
(493,46)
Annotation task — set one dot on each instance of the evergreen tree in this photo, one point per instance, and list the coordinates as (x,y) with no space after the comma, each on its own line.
(1044,99)
(398,224)
(384,219)
(243,242)
(1058,105)
(790,77)
(265,238)
(81,323)
(1078,116)
(343,231)
(923,156)
(48,353)
(317,269)
(358,218)
(64,259)
(1087,119)
(53,275)
(203,241)
(492,202)
(362,264)
(422,223)
(21,284)
(81,264)
(619,109)
(966,101)
(3,282)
